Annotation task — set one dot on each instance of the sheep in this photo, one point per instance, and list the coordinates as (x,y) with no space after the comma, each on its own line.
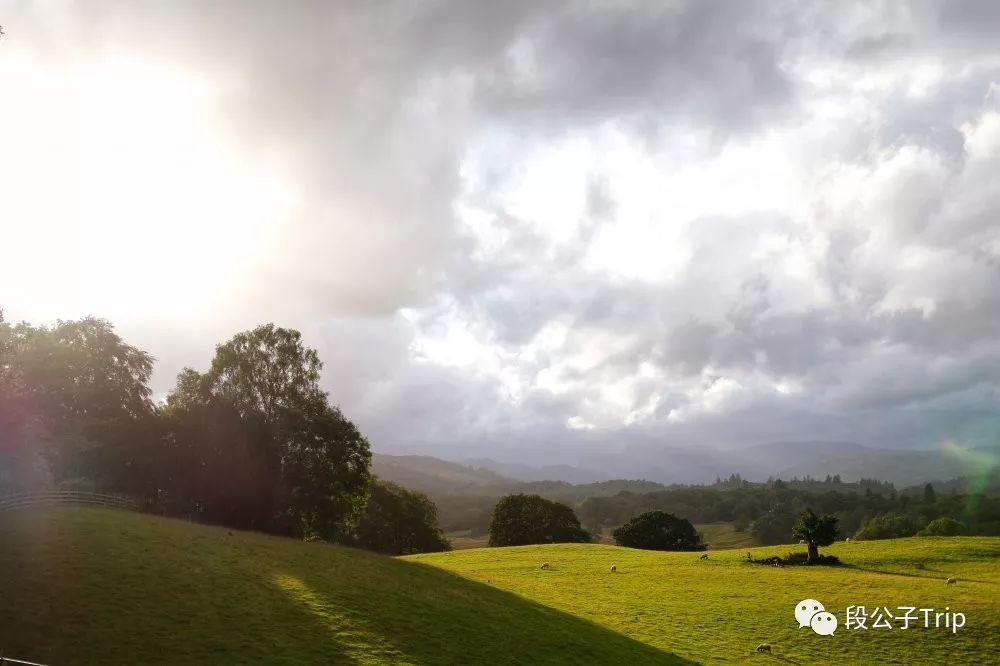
(847,540)
(545,565)
(802,541)
(951,581)
(704,557)
(749,556)
(613,568)
(764,647)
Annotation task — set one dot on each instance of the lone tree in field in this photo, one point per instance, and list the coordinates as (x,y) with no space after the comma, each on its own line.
(816,531)
(658,530)
(520,520)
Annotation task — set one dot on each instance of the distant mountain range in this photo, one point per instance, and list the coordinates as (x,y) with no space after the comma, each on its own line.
(785,460)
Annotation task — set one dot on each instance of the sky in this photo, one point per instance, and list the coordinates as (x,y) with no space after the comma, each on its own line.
(529,228)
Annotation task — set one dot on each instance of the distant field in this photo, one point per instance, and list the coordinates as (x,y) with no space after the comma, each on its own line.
(462,540)
(717,611)
(89,586)
(720,536)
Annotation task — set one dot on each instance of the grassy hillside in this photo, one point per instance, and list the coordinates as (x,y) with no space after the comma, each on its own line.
(84,586)
(717,611)
(93,586)
(721,536)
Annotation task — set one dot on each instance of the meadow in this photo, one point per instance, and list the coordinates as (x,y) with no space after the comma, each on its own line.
(84,586)
(718,610)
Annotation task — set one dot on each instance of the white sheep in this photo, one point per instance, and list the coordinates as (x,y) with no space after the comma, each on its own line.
(801,541)
(951,581)
(545,565)
(764,647)
(847,540)
(613,568)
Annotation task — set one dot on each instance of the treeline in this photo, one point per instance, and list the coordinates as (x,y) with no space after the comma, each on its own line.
(252,442)
(770,510)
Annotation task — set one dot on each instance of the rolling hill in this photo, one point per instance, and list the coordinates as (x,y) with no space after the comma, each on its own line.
(83,586)
(99,586)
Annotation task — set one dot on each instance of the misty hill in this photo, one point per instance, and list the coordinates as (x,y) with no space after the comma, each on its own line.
(903,468)
(671,464)
(523,472)
(433,475)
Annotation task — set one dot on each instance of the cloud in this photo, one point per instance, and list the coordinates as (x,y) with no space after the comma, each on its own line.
(508,225)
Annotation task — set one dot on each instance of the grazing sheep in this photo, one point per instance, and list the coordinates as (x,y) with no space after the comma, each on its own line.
(545,565)
(801,541)
(613,568)
(847,540)
(951,581)
(704,557)
(764,647)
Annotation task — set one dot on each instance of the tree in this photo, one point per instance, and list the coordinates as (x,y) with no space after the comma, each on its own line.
(214,462)
(887,526)
(816,531)
(75,396)
(658,530)
(397,521)
(320,459)
(520,520)
(943,526)
(929,496)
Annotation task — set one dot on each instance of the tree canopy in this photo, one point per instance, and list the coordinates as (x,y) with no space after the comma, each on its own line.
(816,531)
(520,520)
(658,530)
(318,458)
(73,398)
(397,521)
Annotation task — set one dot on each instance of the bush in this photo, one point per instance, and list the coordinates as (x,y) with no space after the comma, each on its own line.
(798,559)
(887,526)
(943,527)
(658,530)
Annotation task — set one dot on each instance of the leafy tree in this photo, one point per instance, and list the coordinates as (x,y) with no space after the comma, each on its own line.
(943,526)
(74,396)
(816,531)
(929,495)
(887,526)
(319,458)
(217,464)
(658,530)
(398,521)
(520,520)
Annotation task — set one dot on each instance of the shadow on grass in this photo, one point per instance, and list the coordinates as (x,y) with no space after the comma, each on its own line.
(408,612)
(940,577)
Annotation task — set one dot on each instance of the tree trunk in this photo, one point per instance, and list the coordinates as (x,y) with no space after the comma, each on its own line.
(813,552)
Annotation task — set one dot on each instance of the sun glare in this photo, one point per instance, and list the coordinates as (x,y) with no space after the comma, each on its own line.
(126,194)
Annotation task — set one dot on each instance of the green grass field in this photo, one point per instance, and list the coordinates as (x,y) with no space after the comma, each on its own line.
(718,610)
(86,586)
